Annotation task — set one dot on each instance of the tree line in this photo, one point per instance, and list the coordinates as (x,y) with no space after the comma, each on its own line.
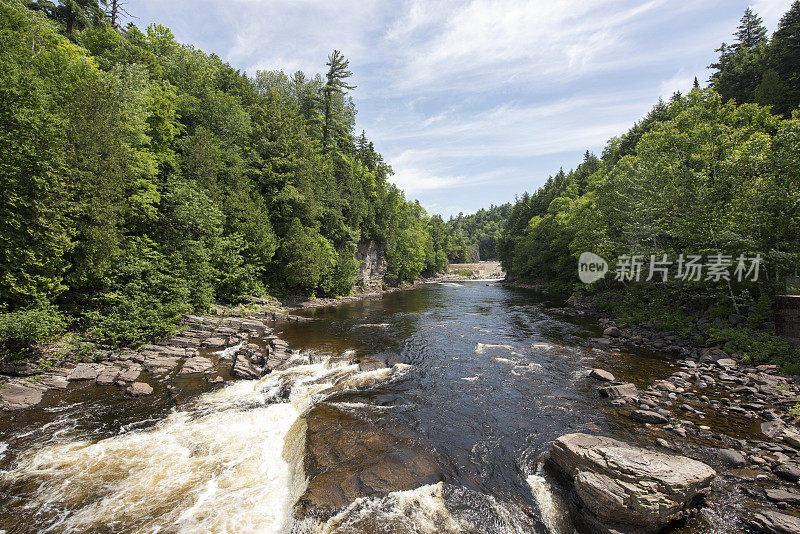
(715,171)
(144,179)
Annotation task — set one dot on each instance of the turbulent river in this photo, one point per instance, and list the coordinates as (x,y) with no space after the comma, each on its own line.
(441,426)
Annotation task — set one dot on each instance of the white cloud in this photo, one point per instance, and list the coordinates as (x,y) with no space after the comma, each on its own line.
(771,11)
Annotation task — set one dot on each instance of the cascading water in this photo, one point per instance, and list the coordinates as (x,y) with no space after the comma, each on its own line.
(215,466)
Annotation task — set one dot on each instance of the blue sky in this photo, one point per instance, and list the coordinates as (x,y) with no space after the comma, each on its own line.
(475,101)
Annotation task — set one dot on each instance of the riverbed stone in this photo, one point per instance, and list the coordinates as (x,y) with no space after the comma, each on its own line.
(215,343)
(196,364)
(139,389)
(646,416)
(780,495)
(787,471)
(244,369)
(130,374)
(732,458)
(108,374)
(602,375)
(618,390)
(84,371)
(18,396)
(629,489)
(772,522)
(612,331)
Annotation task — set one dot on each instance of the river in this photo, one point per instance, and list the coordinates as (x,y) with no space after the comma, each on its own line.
(448,438)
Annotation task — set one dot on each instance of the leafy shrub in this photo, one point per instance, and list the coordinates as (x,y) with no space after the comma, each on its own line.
(757,346)
(22,329)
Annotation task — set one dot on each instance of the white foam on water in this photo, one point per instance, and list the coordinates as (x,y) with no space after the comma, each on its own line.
(230,352)
(551,506)
(470,378)
(216,466)
(503,360)
(3,449)
(542,346)
(481,348)
(422,510)
(373,325)
(450,284)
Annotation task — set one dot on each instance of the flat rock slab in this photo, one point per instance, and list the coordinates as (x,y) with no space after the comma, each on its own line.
(646,416)
(160,364)
(18,397)
(139,389)
(779,495)
(197,364)
(630,488)
(130,374)
(215,343)
(108,374)
(771,522)
(84,371)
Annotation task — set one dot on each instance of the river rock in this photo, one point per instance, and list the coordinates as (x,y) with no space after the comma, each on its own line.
(611,331)
(215,343)
(727,363)
(244,369)
(787,471)
(84,371)
(771,522)
(108,374)
(130,374)
(732,458)
(602,375)
(646,416)
(618,390)
(629,489)
(19,396)
(779,495)
(139,389)
(196,364)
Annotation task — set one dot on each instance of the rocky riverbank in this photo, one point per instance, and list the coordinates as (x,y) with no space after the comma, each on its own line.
(218,347)
(682,413)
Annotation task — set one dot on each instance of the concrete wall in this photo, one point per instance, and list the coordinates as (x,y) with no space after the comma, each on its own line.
(787,317)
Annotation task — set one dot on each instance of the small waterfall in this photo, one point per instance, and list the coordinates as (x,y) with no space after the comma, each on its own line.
(554,510)
(222,464)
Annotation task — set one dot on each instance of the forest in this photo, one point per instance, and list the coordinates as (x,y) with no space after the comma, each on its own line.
(474,237)
(712,172)
(144,179)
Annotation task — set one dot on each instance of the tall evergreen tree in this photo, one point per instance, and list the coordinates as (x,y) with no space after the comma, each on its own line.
(785,57)
(751,32)
(335,84)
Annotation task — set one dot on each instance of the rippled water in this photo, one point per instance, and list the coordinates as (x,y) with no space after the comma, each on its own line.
(448,438)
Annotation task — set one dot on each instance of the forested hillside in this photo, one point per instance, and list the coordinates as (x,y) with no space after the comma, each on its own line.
(474,237)
(143,178)
(716,171)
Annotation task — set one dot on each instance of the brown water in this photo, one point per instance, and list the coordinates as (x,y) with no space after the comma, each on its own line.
(449,438)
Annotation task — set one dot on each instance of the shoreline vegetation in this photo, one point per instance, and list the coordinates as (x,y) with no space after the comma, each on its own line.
(711,172)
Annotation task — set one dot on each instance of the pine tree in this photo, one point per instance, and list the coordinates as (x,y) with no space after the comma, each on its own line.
(696,84)
(335,84)
(751,32)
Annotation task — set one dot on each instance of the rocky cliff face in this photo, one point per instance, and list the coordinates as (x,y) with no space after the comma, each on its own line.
(372,263)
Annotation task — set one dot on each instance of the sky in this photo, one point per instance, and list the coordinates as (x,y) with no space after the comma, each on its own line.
(474,102)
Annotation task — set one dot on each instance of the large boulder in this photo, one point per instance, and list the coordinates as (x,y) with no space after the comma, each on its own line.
(196,364)
(617,390)
(627,489)
(18,396)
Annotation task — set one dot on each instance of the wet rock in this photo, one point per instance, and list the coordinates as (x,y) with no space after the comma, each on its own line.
(712,355)
(629,489)
(771,522)
(345,456)
(600,374)
(130,374)
(611,331)
(160,364)
(214,343)
(618,390)
(18,396)
(216,380)
(773,429)
(139,389)
(197,364)
(108,374)
(787,471)
(779,495)
(646,416)
(244,369)
(84,371)
(791,437)
(732,458)
(18,369)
